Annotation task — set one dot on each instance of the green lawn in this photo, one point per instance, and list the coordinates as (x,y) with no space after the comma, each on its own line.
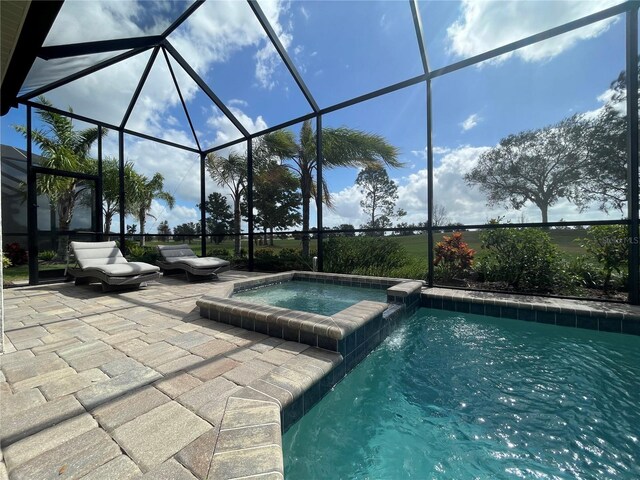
(20,273)
(564,239)
(416,245)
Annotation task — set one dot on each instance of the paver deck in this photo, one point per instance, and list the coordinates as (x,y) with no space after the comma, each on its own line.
(129,384)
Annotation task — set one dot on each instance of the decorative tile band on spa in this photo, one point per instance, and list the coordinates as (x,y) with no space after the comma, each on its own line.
(592,315)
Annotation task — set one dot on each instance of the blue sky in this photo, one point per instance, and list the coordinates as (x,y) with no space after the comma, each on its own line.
(344,49)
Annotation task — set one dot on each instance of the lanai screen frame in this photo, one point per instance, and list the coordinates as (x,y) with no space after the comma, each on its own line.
(160,43)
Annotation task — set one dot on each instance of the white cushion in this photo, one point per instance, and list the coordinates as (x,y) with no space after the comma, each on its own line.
(90,254)
(196,262)
(126,269)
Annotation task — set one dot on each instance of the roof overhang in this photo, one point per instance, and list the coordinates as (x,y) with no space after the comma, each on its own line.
(25,25)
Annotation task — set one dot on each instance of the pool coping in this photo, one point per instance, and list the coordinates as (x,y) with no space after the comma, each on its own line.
(250,441)
(592,315)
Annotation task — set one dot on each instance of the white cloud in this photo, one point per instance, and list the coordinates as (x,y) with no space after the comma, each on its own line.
(605,98)
(238,102)
(304,12)
(470,122)
(180,168)
(226,131)
(346,208)
(440,150)
(383,21)
(176,216)
(96,18)
(412,197)
(484,26)
(420,153)
(218,30)
(463,204)
(608,97)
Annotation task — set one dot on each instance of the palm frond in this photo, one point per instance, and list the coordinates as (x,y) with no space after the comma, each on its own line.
(345,147)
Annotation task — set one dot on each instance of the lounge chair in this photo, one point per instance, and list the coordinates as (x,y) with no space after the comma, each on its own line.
(104,262)
(181,258)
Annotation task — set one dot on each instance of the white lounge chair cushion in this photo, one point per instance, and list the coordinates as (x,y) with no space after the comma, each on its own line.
(125,269)
(172,251)
(91,254)
(196,262)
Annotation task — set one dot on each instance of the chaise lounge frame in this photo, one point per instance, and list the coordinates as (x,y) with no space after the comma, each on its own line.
(178,258)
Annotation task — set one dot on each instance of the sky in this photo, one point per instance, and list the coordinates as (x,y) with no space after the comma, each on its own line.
(341,49)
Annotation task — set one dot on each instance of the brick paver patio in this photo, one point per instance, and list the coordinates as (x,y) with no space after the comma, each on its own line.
(123,385)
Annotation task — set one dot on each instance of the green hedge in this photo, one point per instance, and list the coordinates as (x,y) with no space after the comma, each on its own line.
(524,258)
(375,256)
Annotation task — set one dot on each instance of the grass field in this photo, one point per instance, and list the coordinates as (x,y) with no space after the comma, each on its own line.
(416,246)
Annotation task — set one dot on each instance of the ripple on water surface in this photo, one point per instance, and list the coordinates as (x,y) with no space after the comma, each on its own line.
(453,397)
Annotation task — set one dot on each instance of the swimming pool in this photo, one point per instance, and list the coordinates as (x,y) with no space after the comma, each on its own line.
(451,396)
(320,298)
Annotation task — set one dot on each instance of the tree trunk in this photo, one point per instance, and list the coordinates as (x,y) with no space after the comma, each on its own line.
(271,237)
(305,188)
(142,221)
(236,224)
(65,214)
(544,208)
(107,224)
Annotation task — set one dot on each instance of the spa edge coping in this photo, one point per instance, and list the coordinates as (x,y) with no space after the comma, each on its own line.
(222,307)
(588,308)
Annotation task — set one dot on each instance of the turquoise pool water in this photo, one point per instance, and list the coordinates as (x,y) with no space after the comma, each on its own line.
(451,397)
(325,299)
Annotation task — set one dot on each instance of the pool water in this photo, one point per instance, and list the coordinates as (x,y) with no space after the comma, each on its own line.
(321,298)
(465,397)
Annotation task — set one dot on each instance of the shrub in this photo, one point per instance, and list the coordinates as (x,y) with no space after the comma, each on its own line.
(264,260)
(220,253)
(377,256)
(137,253)
(415,268)
(524,258)
(453,257)
(585,272)
(16,254)
(5,261)
(46,255)
(609,246)
(286,259)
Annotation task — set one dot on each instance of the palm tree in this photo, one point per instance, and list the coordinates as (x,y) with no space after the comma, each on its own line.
(341,147)
(62,148)
(232,173)
(111,189)
(147,190)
